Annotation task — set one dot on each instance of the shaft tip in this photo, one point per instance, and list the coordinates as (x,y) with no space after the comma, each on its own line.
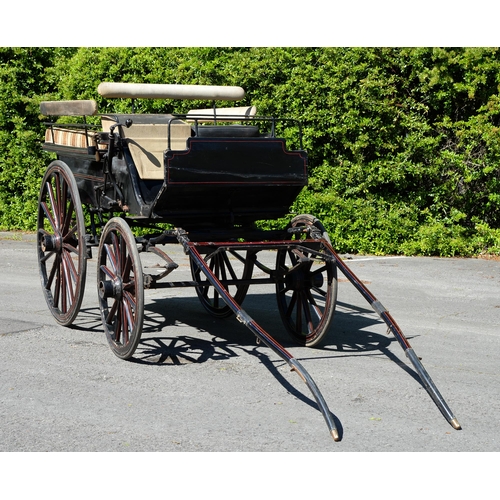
(455,424)
(335,435)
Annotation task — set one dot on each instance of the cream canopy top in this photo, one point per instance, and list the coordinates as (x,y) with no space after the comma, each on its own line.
(170,91)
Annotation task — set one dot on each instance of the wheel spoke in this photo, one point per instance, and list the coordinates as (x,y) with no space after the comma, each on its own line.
(118,322)
(121,256)
(57,196)
(53,270)
(70,234)
(65,298)
(53,204)
(68,279)
(298,312)
(45,258)
(125,324)
(319,291)
(216,299)
(224,266)
(227,266)
(70,264)
(57,287)
(62,284)
(221,266)
(112,258)
(205,291)
(68,211)
(127,268)
(110,274)
(70,248)
(130,300)
(319,270)
(49,216)
(112,313)
(129,316)
(115,245)
(315,307)
(291,305)
(307,312)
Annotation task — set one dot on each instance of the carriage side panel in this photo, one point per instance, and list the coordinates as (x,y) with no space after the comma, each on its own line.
(237,180)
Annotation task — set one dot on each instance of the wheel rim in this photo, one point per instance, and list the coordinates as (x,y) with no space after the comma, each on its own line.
(306,290)
(120,288)
(61,243)
(225,266)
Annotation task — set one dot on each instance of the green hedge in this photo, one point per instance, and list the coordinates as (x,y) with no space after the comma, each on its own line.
(403,143)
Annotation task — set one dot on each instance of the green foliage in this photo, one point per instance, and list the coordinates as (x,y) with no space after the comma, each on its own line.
(403,143)
(21,158)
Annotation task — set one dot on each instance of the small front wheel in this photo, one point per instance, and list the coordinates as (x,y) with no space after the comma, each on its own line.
(306,288)
(226,266)
(120,285)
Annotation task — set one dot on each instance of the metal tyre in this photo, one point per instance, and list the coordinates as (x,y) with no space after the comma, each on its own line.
(225,267)
(62,254)
(120,286)
(306,289)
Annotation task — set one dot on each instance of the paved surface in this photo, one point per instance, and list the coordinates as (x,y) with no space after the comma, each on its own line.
(200,384)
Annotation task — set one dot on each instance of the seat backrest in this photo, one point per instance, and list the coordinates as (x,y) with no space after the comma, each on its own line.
(148,137)
(75,138)
(222,114)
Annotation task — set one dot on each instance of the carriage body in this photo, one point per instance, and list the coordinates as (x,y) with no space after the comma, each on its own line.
(190,170)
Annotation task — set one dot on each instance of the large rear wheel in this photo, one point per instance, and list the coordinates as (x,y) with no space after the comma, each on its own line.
(306,287)
(62,254)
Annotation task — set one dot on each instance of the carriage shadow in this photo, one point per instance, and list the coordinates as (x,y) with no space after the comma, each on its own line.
(354,332)
(351,330)
(178,331)
(197,337)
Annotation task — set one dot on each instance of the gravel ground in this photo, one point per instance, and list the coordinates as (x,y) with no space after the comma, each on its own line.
(199,384)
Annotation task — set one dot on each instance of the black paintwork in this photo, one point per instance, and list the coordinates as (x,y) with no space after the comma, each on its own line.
(216,181)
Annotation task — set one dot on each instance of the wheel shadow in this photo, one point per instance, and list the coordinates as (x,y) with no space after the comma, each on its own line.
(353,330)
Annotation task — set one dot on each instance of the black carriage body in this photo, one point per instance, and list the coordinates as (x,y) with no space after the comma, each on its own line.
(89,176)
(215,181)
(230,181)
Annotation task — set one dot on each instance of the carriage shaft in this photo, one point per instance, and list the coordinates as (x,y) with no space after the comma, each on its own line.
(384,314)
(243,317)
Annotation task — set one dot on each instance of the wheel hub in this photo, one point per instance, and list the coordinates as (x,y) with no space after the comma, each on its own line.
(111,289)
(300,276)
(51,242)
(296,280)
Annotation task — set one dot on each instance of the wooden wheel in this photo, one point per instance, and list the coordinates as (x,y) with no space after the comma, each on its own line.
(62,253)
(225,266)
(306,289)
(121,288)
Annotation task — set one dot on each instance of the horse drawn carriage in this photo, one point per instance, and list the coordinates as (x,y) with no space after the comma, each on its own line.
(201,179)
